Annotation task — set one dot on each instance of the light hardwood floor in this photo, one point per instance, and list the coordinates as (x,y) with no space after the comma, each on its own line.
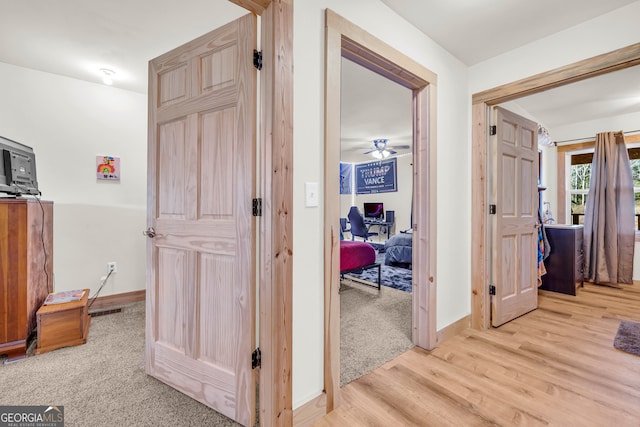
(554,366)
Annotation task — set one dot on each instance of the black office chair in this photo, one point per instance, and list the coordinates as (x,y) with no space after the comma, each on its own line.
(343,228)
(389,222)
(343,225)
(358,227)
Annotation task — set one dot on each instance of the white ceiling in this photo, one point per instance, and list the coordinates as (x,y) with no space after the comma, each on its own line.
(475,30)
(372,107)
(76,38)
(609,95)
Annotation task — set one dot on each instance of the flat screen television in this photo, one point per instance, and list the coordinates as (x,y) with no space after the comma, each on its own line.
(374,210)
(17,168)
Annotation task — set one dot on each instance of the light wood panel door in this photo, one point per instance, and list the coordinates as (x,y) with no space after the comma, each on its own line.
(200,326)
(515,233)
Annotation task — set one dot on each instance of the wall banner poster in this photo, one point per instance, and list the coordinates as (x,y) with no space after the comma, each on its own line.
(376,177)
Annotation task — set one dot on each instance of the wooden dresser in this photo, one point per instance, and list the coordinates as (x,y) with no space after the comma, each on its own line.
(26,269)
(565,263)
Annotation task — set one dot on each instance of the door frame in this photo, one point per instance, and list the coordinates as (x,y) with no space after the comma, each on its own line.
(344,39)
(275,253)
(481,103)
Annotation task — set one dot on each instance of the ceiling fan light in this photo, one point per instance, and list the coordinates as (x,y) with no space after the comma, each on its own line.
(380,154)
(380,143)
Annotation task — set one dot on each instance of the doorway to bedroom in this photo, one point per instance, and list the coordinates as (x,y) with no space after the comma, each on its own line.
(376,199)
(345,40)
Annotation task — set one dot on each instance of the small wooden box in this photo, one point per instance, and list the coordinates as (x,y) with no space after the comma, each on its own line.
(63,325)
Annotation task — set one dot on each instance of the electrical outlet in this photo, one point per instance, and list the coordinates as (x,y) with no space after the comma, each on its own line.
(112,267)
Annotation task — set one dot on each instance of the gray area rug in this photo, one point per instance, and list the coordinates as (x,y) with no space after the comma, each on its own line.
(102,382)
(375,327)
(628,337)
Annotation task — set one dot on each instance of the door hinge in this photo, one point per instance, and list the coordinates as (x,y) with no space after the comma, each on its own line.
(493,130)
(256,358)
(257,207)
(257,59)
(492,290)
(492,209)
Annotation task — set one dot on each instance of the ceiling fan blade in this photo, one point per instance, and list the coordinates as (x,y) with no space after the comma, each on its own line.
(401,147)
(391,151)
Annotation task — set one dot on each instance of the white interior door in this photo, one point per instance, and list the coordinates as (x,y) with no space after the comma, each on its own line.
(515,233)
(200,326)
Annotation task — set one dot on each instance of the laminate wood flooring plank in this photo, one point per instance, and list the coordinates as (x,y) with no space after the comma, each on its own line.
(510,407)
(418,406)
(555,366)
(580,395)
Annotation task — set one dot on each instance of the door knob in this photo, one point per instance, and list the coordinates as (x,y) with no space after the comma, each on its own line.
(150,232)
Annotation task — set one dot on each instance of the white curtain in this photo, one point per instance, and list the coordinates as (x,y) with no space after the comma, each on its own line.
(609,221)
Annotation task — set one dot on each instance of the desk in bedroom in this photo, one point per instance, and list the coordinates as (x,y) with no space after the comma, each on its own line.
(382,224)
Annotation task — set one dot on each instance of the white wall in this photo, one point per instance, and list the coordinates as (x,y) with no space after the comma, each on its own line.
(453,206)
(68,122)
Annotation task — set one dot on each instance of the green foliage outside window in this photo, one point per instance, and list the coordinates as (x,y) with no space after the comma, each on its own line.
(580,179)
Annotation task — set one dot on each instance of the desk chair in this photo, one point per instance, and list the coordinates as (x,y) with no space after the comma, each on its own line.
(358,227)
(343,228)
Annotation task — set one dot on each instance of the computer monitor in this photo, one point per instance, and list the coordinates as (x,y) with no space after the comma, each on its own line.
(374,210)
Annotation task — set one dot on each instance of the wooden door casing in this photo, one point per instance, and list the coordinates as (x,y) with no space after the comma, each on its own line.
(515,234)
(200,327)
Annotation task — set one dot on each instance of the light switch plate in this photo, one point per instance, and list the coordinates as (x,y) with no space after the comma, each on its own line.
(311,194)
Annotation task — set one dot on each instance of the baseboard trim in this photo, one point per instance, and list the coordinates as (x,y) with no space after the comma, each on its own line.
(453,329)
(311,411)
(110,301)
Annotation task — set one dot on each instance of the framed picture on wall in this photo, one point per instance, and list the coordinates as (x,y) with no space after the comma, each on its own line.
(108,167)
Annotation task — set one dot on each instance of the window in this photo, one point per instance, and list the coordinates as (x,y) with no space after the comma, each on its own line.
(580,177)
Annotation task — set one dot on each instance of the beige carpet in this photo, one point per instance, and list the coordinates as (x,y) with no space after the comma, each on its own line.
(102,383)
(374,328)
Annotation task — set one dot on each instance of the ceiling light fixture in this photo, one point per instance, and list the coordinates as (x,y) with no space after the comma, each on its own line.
(380,154)
(543,137)
(381,151)
(107,76)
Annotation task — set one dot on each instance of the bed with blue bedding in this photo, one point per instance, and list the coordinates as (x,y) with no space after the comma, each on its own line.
(398,250)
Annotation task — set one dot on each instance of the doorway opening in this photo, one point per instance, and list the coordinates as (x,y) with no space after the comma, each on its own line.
(481,103)
(345,40)
(376,192)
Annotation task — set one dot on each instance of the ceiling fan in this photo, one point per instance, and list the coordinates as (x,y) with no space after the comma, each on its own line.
(382,151)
